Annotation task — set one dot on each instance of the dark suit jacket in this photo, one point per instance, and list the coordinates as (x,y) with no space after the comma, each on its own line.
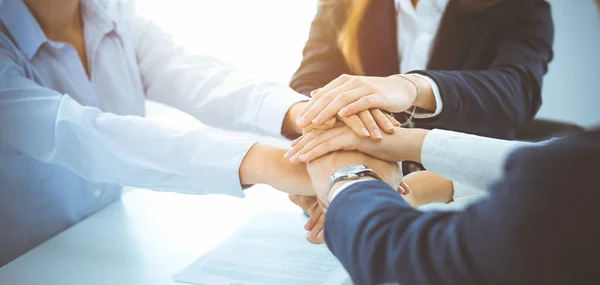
(541,225)
(488,64)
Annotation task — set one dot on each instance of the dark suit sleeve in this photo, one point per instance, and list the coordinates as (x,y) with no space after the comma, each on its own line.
(322,59)
(539,226)
(508,93)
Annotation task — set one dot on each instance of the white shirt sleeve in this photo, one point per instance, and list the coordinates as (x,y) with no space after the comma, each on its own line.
(439,104)
(207,88)
(107,148)
(466,159)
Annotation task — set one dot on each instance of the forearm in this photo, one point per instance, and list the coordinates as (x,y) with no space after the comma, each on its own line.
(502,98)
(207,88)
(384,234)
(468,159)
(265,164)
(124,150)
(404,144)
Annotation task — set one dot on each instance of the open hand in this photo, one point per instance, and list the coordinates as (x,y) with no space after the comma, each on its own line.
(348,95)
(316,222)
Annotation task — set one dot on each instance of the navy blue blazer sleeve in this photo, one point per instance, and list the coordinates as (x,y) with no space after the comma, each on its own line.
(539,226)
(508,94)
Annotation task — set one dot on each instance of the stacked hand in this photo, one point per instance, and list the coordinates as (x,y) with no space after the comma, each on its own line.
(341,126)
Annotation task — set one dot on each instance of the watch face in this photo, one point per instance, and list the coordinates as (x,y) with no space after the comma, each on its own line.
(351,171)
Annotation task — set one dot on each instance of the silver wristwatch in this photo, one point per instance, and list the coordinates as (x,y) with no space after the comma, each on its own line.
(351,172)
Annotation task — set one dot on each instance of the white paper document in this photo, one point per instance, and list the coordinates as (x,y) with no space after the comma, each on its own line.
(270,249)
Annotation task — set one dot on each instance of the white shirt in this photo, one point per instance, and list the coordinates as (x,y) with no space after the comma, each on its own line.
(472,162)
(68,143)
(417,29)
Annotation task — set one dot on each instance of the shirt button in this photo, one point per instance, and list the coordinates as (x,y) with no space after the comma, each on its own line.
(97,193)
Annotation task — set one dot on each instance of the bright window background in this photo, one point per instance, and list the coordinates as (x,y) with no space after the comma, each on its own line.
(264,37)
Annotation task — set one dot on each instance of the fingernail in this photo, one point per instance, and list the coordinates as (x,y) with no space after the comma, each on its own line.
(293,158)
(378,134)
(307,226)
(313,233)
(389,125)
(365,132)
(301,121)
(308,234)
(343,112)
(318,119)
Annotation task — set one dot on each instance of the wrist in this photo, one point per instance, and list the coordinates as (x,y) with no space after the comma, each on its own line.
(425,99)
(289,128)
(250,172)
(260,163)
(342,185)
(403,144)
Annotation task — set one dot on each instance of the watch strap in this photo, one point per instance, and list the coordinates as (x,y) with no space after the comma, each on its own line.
(367,172)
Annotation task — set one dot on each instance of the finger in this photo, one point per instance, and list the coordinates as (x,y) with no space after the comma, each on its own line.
(329,145)
(304,139)
(356,124)
(316,95)
(308,104)
(342,100)
(315,215)
(364,103)
(382,121)
(369,121)
(401,190)
(294,142)
(393,120)
(311,114)
(339,81)
(324,126)
(320,150)
(404,186)
(318,227)
(324,138)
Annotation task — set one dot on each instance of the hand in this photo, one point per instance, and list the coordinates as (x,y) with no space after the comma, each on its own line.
(365,124)
(404,144)
(320,169)
(348,95)
(316,222)
(424,187)
(265,164)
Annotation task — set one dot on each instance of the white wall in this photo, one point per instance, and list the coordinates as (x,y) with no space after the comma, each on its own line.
(572,87)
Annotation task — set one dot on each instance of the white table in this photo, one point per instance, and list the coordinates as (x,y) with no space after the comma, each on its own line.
(144,239)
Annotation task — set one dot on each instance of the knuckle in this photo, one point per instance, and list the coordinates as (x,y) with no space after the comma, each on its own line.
(329,96)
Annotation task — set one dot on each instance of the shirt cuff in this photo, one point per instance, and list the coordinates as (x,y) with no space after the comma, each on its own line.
(436,93)
(467,159)
(462,191)
(215,165)
(273,109)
